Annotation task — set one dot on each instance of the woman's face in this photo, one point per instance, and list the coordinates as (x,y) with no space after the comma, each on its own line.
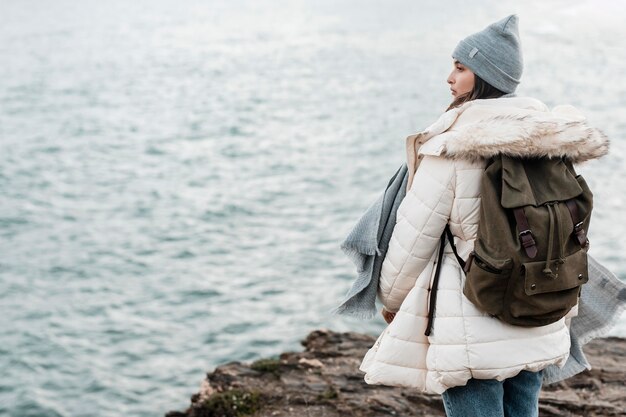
(461,79)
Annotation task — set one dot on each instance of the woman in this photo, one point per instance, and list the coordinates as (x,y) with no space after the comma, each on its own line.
(481,365)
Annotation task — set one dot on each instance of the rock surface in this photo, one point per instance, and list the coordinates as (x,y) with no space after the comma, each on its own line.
(324,380)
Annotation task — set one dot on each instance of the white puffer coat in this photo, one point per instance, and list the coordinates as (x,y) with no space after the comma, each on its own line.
(447,160)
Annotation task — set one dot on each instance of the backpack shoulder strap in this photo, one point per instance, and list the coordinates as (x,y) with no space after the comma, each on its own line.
(433,291)
(448,232)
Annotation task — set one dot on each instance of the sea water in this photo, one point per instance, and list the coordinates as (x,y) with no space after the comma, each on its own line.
(176,177)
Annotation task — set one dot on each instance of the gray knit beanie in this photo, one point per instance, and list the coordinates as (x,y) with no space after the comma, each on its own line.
(494,54)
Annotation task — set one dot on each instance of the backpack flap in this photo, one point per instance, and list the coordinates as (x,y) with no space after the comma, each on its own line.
(524,182)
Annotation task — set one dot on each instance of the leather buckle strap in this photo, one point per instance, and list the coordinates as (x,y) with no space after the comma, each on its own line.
(526,235)
(579,233)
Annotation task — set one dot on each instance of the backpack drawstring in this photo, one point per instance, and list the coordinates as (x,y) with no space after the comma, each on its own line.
(548,270)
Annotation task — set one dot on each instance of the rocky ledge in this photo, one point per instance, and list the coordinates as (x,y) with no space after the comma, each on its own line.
(324,380)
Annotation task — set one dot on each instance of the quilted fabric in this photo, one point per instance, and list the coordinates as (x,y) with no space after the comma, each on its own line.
(465,342)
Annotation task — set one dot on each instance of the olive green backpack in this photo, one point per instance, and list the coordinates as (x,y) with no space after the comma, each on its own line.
(530,255)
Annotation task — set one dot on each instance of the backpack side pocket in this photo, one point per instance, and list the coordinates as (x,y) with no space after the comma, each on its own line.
(487,281)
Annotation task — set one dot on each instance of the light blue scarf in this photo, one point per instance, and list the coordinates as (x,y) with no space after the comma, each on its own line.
(367,245)
(602,300)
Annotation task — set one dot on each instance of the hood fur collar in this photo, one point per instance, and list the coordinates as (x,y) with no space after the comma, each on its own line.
(515,126)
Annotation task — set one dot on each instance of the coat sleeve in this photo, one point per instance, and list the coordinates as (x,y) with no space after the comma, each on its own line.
(421,218)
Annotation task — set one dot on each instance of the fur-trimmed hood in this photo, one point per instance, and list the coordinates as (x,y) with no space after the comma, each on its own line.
(515,126)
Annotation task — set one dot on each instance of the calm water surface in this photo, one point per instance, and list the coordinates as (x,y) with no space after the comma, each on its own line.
(176,178)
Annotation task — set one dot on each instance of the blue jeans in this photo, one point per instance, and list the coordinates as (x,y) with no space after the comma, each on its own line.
(517,396)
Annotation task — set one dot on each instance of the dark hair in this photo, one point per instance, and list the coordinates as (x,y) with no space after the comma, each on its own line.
(482,89)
